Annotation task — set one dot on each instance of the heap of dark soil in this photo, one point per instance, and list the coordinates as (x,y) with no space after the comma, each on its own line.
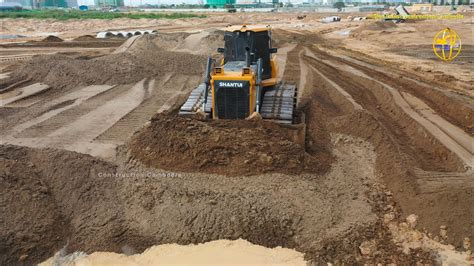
(85,38)
(229,147)
(52,38)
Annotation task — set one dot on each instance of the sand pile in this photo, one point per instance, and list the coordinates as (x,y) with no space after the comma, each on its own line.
(219,252)
(168,41)
(229,147)
(380,26)
(205,42)
(150,56)
(86,38)
(63,71)
(52,38)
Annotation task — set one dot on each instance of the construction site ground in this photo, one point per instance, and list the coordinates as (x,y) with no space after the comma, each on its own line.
(93,156)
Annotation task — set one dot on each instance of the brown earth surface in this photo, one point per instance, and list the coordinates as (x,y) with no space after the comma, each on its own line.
(110,207)
(223,147)
(370,153)
(142,61)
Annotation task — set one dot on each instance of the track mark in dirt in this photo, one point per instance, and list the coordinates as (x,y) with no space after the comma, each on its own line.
(461,137)
(453,107)
(434,129)
(282,58)
(61,104)
(94,123)
(4,75)
(431,182)
(15,95)
(401,143)
(340,90)
(292,71)
(78,135)
(179,96)
(161,95)
(303,75)
(332,83)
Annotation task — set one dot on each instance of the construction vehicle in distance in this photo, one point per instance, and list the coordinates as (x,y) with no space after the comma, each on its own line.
(245,84)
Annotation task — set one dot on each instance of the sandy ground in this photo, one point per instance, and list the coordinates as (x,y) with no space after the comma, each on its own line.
(219,252)
(389,134)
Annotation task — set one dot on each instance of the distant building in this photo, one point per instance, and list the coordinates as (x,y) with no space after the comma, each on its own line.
(371,8)
(109,3)
(244,2)
(23,3)
(44,3)
(71,3)
(10,6)
(53,3)
(422,8)
(219,3)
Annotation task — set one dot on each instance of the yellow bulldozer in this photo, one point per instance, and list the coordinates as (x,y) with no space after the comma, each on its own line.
(245,83)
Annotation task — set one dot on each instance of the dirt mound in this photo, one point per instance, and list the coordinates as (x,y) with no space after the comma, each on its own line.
(61,71)
(381,26)
(223,147)
(204,42)
(52,38)
(168,41)
(143,44)
(24,195)
(85,38)
(54,197)
(43,201)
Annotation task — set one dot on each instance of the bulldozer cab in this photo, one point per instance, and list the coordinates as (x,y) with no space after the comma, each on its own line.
(239,42)
(245,85)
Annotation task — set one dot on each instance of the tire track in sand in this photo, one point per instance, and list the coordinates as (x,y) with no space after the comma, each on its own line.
(452,137)
(79,134)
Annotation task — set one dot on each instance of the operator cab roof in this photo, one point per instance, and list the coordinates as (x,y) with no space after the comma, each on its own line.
(244,28)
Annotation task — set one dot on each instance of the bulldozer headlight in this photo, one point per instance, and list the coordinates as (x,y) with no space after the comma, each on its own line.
(219,70)
(246,71)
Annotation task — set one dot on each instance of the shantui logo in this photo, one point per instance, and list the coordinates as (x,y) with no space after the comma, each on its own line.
(231,84)
(447,44)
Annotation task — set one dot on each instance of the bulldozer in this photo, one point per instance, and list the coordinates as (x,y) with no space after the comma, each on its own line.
(245,84)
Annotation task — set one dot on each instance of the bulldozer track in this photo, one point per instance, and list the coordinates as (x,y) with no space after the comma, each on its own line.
(15,58)
(279,104)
